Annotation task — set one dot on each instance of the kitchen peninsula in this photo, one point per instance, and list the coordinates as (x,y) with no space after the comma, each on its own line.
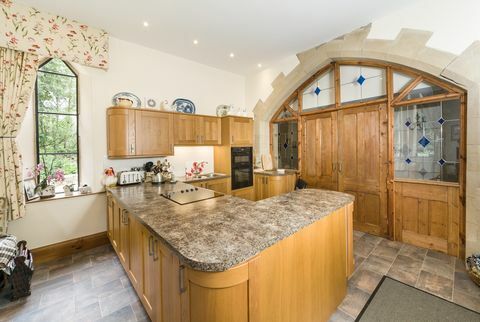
(285,258)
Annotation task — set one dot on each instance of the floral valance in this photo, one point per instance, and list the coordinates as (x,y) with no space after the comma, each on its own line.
(30,30)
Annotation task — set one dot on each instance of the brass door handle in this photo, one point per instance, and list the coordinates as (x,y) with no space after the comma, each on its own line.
(181,277)
(150,240)
(155,250)
(340,167)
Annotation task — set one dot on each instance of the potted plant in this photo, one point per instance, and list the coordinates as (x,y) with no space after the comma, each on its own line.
(46,187)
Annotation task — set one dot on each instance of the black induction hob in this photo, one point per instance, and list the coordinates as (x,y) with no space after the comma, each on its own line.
(190,194)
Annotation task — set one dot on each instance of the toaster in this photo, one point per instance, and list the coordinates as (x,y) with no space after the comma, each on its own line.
(130,177)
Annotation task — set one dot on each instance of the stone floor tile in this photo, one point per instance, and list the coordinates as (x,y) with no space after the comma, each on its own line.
(116,301)
(405,269)
(464,284)
(466,300)
(340,316)
(52,284)
(365,280)
(435,284)
(377,264)
(89,313)
(441,257)
(138,310)
(354,301)
(76,265)
(371,239)
(438,267)
(124,314)
(363,248)
(460,265)
(386,251)
(60,311)
(413,252)
(358,260)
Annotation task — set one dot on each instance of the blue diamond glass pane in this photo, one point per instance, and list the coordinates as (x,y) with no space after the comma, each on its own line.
(361,80)
(423,172)
(424,141)
(285,145)
(441,162)
(408,161)
(441,120)
(408,123)
(317,90)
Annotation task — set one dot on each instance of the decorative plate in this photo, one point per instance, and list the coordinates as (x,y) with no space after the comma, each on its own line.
(151,103)
(183,105)
(126,95)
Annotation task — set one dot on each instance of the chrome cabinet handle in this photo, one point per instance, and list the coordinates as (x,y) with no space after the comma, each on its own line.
(132,149)
(334,167)
(124,211)
(181,277)
(232,139)
(340,168)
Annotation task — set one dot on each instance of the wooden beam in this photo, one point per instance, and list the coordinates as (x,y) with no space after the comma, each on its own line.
(408,89)
(428,99)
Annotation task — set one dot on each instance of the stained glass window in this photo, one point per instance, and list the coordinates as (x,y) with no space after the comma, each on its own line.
(362,83)
(427,141)
(285,144)
(320,93)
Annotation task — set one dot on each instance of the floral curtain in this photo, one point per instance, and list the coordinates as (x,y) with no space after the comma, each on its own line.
(28,29)
(17,80)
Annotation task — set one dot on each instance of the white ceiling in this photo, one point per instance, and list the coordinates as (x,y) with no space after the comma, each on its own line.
(256,31)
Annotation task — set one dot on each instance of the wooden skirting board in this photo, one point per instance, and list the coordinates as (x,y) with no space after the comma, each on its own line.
(68,247)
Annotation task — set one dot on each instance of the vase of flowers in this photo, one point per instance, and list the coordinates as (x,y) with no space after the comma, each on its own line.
(196,170)
(46,187)
(161,171)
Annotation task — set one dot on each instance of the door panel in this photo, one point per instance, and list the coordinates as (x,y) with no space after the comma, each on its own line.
(362,169)
(320,153)
(154,133)
(428,216)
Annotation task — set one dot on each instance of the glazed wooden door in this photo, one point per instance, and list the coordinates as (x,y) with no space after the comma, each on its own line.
(320,151)
(154,134)
(136,254)
(362,165)
(121,132)
(210,130)
(186,132)
(428,215)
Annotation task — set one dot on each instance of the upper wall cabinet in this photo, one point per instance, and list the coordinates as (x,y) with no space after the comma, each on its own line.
(138,133)
(237,131)
(197,130)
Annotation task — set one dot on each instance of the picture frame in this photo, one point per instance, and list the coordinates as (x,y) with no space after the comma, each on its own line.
(29,185)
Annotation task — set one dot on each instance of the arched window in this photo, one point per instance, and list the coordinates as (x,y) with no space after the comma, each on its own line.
(56,107)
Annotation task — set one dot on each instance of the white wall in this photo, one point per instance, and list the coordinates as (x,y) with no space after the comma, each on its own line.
(148,74)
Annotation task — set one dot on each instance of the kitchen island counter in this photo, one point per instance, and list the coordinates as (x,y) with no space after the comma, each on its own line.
(216,234)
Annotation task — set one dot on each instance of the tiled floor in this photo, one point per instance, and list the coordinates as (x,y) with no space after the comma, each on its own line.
(89,286)
(92,286)
(434,272)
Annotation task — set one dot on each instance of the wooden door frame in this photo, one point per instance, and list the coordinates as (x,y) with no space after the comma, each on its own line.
(453,92)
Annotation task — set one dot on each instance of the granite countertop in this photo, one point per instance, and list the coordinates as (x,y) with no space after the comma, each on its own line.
(217,176)
(216,234)
(275,172)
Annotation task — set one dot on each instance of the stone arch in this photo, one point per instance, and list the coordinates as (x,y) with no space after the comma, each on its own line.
(408,49)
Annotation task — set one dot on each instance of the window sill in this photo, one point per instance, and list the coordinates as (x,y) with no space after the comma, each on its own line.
(61,196)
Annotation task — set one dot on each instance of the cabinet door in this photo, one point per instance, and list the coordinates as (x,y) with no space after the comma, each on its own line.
(241,131)
(219,185)
(259,184)
(186,131)
(110,217)
(276,185)
(210,130)
(136,254)
(319,158)
(120,132)
(116,225)
(152,276)
(124,245)
(245,193)
(154,135)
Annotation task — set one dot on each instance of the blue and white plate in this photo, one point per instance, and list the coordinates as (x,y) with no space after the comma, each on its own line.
(127,95)
(183,105)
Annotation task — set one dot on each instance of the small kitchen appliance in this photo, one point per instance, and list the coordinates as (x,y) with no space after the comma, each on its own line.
(130,177)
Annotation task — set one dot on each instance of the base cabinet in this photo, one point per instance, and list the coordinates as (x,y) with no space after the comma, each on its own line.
(267,186)
(254,291)
(219,185)
(244,193)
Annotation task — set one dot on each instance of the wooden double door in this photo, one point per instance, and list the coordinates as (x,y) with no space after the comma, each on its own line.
(346,151)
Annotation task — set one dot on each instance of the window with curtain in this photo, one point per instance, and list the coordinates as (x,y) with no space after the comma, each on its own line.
(57,120)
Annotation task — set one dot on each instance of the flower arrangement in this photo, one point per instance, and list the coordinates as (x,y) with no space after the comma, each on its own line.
(197,169)
(50,177)
(162,167)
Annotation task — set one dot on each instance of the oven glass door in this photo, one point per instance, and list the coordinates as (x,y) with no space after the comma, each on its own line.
(242,177)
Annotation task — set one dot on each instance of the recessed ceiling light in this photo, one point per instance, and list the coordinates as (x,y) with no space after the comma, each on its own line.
(195,42)
(145,23)
(232,55)
(259,65)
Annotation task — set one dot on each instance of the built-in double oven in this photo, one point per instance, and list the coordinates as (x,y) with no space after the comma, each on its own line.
(242,167)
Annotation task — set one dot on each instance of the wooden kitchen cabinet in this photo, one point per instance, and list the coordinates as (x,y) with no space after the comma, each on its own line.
(267,186)
(197,130)
(221,185)
(135,271)
(116,225)
(151,275)
(237,131)
(110,217)
(154,133)
(120,132)
(245,193)
(124,240)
